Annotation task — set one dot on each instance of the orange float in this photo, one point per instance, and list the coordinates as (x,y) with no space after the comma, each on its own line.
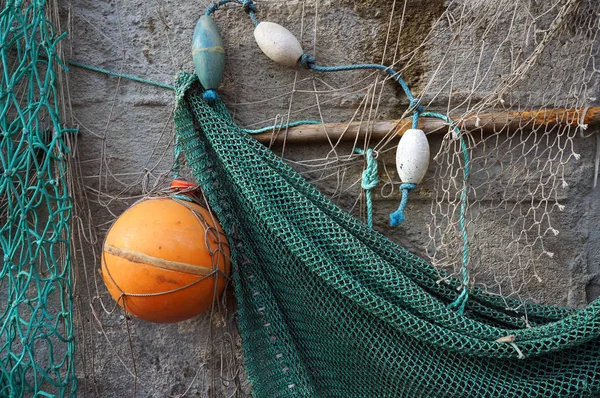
(165,260)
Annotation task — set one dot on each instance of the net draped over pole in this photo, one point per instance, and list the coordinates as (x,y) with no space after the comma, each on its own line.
(328,307)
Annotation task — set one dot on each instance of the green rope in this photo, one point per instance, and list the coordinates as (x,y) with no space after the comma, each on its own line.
(396,217)
(121,75)
(461,301)
(370,180)
(281,126)
(36,319)
(247,5)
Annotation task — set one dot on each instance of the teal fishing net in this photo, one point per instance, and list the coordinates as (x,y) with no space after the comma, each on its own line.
(36,321)
(328,307)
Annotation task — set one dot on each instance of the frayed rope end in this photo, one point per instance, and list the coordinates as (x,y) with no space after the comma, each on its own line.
(397,217)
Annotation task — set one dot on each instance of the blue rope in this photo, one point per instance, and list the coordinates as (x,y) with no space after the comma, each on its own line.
(461,300)
(281,126)
(416,114)
(308,62)
(248,6)
(370,179)
(397,217)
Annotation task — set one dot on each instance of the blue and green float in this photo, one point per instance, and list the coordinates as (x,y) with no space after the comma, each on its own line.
(208,54)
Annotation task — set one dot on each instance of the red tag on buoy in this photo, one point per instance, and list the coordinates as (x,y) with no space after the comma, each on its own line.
(182,185)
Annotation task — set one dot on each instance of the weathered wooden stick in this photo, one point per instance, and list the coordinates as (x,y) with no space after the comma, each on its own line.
(491,122)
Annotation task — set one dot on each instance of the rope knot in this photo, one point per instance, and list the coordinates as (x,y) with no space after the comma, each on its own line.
(414,104)
(210,96)
(397,217)
(370,179)
(249,6)
(307,61)
(369,175)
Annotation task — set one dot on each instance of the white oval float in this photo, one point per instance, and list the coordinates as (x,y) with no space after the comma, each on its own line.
(412,156)
(278,43)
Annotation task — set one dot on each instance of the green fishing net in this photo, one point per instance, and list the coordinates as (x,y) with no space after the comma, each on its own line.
(328,307)
(36,321)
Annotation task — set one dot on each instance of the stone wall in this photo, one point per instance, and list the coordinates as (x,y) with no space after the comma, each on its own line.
(126,132)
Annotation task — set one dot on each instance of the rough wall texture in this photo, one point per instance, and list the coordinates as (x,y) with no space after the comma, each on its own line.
(126,133)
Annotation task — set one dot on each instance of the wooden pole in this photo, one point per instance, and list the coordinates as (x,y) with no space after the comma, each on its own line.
(491,122)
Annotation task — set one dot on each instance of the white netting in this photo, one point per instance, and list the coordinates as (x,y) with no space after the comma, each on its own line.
(522,160)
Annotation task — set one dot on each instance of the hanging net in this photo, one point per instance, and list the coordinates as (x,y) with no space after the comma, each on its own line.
(328,307)
(36,320)
(524,118)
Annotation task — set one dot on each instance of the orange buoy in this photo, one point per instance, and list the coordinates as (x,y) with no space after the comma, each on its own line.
(165,260)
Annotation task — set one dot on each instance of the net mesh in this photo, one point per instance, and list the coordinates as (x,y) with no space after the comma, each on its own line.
(36,321)
(330,308)
(523,78)
(504,70)
(520,169)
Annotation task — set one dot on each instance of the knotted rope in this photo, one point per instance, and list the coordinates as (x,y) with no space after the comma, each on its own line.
(370,180)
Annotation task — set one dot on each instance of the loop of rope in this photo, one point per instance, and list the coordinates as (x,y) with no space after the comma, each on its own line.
(214,7)
(248,6)
(306,61)
(397,217)
(370,180)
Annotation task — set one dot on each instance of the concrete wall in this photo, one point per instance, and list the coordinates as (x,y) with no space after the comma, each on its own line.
(127,131)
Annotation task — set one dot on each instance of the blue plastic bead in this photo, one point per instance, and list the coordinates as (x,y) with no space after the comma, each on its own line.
(208,53)
(210,96)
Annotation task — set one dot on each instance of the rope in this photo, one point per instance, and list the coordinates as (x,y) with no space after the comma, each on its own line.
(121,75)
(308,62)
(248,6)
(281,126)
(370,180)
(397,217)
(306,268)
(461,300)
